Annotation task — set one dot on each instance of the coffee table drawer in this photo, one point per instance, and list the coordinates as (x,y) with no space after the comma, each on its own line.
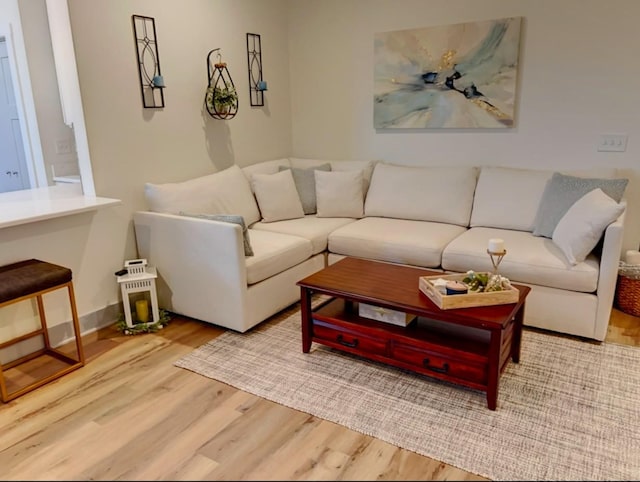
(435,362)
(350,339)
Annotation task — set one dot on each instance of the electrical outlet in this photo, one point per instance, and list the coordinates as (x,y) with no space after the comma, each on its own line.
(612,142)
(64,146)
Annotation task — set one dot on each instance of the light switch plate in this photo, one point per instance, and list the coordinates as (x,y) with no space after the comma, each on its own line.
(612,142)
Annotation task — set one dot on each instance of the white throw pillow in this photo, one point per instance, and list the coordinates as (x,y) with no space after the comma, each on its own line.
(580,229)
(277,196)
(339,194)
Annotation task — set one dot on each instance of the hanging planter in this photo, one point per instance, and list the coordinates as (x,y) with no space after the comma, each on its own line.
(221,97)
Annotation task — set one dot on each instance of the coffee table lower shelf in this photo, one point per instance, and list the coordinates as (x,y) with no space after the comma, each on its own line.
(469,356)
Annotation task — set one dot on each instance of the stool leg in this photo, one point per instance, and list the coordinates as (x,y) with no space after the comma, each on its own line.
(43,322)
(76,323)
(4,395)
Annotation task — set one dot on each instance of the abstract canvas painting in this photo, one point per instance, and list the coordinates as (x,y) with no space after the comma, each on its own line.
(451,76)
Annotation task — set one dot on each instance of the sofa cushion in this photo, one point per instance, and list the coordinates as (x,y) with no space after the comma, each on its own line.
(562,191)
(274,253)
(306,184)
(265,167)
(508,198)
(310,227)
(339,194)
(347,165)
(580,229)
(402,241)
(529,259)
(224,192)
(277,196)
(228,218)
(437,194)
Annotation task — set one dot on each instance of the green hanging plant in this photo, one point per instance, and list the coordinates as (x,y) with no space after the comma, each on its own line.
(221,99)
(138,328)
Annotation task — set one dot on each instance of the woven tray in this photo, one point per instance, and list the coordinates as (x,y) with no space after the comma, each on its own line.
(628,295)
(447,302)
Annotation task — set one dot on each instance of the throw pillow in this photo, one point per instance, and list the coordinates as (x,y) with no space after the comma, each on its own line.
(580,229)
(339,194)
(277,196)
(562,191)
(306,185)
(228,218)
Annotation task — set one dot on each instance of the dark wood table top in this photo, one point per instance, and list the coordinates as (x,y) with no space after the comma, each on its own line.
(396,287)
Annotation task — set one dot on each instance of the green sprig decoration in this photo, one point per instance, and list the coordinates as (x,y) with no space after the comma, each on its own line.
(138,328)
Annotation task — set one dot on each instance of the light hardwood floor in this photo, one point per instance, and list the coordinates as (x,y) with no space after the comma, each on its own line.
(129,414)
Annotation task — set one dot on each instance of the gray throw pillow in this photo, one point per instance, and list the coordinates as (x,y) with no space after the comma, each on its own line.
(562,191)
(228,218)
(305,181)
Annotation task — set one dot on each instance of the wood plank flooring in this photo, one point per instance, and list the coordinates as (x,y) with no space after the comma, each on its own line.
(129,414)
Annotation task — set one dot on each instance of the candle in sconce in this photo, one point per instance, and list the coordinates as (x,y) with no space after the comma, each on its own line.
(496,245)
(142,310)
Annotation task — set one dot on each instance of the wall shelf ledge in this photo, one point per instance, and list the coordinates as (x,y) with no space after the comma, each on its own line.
(32,205)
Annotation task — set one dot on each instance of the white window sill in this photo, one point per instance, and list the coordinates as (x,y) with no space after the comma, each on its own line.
(31,205)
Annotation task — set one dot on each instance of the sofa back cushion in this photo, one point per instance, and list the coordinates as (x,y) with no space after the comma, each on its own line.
(438,194)
(223,192)
(265,167)
(508,198)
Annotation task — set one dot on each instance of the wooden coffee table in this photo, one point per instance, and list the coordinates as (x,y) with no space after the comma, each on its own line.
(467,346)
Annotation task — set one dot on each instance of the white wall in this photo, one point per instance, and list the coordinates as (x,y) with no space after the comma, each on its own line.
(578,67)
(130,145)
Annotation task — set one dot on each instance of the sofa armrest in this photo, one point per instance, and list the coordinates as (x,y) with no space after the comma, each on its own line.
(609,264)
(200,262)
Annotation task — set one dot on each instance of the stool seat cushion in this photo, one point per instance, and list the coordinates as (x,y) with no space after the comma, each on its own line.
(30,276)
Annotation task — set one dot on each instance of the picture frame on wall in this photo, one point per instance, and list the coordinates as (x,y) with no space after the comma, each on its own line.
(451,76)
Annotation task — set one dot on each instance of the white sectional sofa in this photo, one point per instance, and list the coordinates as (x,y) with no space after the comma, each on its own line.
(434,217)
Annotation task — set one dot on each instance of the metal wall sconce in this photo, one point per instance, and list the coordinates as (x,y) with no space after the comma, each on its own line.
(221,98)
(257,86)
(151,80)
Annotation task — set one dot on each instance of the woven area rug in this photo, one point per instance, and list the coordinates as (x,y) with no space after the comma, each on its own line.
(570,410)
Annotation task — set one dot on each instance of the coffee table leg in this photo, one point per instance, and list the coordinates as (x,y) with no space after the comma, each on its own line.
(494,369)
(517,335)
(305,311)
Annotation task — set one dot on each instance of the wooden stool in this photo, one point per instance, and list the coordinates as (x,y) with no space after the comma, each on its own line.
(32,279)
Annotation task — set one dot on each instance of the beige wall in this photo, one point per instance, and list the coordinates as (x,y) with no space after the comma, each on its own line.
(578,66)
(130,145)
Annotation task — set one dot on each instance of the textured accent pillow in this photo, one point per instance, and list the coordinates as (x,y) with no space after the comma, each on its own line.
(277,196)
(339,194)
(306,185)
(228,218)
(562,191)
(580,229)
